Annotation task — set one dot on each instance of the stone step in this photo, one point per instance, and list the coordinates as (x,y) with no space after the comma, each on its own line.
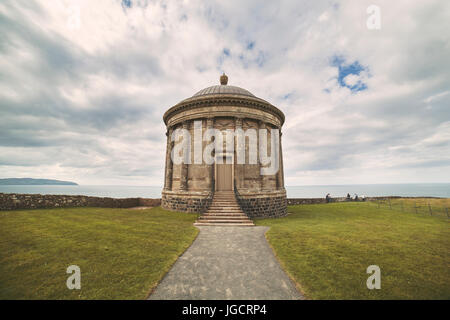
(228,214)
(225,208)
(224,203)
(224,212)
(224,224)
(217,217)
(225,221)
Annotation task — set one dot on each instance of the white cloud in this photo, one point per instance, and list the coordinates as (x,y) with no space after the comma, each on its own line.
(351,80)
(86,104)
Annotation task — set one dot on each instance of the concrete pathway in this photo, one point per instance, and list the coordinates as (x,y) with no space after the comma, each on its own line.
(227,263)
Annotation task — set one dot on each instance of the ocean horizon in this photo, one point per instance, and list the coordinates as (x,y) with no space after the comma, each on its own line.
(307,191)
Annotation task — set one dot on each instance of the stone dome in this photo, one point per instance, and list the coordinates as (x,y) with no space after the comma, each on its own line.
(223,96)
(223,89)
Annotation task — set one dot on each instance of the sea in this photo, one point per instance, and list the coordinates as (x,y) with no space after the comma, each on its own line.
(316,191)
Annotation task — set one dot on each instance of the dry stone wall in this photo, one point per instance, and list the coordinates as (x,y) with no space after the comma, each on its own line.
(186,204)
(11,201)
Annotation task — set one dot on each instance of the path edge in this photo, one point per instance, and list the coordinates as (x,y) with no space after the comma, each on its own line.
(297,285)
(150,291)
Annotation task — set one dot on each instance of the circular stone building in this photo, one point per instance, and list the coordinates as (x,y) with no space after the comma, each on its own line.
(192,185)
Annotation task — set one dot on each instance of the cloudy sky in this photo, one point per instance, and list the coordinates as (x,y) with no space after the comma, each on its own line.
(84,84)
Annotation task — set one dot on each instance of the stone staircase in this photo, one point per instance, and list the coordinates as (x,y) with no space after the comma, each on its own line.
(224,211)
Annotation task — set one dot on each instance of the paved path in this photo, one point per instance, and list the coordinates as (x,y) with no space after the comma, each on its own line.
(227,263)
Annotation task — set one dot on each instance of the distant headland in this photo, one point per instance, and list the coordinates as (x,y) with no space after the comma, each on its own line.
(35,182)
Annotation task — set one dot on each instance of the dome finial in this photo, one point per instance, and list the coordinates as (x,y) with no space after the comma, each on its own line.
(223,79)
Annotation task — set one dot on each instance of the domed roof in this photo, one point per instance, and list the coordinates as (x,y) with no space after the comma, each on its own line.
(223,89)
(222,95)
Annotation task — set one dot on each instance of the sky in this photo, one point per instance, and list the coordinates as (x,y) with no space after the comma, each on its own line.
(84,84)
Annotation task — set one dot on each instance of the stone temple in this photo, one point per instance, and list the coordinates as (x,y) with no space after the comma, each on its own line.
(227,191)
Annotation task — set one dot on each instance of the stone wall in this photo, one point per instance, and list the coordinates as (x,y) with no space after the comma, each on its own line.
(269,204)
(147,202)
(255,206)
(186,203)
(10,201)
(264,207)
(295,201)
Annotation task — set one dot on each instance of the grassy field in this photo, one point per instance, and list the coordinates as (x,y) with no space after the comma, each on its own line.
(122,253)
(429,206)
(327,248)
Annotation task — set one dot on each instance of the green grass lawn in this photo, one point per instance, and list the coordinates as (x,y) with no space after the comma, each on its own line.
(122,253)
(429,206)
(327,248)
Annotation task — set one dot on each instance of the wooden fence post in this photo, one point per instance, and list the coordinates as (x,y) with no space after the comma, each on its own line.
(390,207)
(446,210)
(415,206)
(429,208)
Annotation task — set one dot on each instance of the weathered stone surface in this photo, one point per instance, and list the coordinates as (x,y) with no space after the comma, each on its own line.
(229,263)
(225,109)
(263,205)
(254,205)
(186,202)
(11,201)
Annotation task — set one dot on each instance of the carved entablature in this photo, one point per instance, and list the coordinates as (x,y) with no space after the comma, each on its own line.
(218,106)
(224,123)
(247,123)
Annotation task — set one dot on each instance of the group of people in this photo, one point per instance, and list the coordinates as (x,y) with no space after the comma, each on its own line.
(348,198)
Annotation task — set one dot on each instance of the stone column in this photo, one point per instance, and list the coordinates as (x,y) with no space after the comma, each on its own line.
(169,164)
(239,168)
(280,182)
(210,167)
(281,163)
(184,166)
(264,179)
